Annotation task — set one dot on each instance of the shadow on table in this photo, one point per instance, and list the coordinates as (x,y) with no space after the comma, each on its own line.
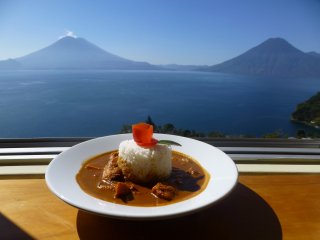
(243,214)
(8,230)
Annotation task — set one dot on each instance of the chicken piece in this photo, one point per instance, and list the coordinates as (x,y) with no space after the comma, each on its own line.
(122,190)
(112,171)
(163,191)
(132,187)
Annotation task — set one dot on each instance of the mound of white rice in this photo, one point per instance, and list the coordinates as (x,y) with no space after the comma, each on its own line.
(144,165)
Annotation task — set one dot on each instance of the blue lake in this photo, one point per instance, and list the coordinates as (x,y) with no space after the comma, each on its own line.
(96,103)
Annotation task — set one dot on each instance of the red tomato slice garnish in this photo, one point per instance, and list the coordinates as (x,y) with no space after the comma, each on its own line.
(142,135)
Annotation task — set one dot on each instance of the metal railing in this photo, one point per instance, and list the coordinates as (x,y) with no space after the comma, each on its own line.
(31,156)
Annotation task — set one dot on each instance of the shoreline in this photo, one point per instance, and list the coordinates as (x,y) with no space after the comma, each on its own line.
(309,124)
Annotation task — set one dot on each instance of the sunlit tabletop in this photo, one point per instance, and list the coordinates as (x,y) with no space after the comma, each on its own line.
(262,206)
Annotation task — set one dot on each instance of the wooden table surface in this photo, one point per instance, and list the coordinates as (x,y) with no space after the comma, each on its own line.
(261,207)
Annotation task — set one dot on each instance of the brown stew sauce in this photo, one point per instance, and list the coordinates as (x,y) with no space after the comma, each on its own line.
(187,177)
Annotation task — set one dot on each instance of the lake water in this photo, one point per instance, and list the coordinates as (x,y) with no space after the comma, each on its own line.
(97,103)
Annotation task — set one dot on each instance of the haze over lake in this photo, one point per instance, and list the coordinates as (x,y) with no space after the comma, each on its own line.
(60,103)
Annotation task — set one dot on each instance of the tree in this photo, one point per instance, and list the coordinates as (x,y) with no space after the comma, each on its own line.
(126,128)
(168,128)
(216,134)
(275,134)
(301,134)
(150,121)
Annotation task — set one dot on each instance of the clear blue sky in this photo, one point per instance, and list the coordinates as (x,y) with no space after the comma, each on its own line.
(160,32)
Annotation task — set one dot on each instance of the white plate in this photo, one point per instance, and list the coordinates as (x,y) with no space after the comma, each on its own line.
(61,178)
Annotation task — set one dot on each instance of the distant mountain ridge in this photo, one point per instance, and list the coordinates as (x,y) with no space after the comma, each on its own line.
(75,53)
(274,57)
(9,64)
(180,67)
(315,54)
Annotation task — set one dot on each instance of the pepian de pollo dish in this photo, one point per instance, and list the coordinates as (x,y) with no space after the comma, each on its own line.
(102,178)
